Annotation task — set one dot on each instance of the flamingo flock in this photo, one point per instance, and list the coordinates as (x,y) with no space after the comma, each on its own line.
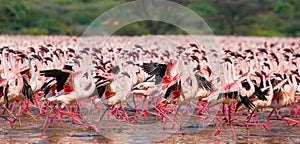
(50,76)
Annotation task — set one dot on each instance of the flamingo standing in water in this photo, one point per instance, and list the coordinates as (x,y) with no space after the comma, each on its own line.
(165,76)
(118,89)
(284,98)
(16,88)
(259,104)
(234,92)
(238,87)
(78,93)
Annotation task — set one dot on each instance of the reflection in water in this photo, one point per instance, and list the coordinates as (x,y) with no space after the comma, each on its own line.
(66,132)
(29,131)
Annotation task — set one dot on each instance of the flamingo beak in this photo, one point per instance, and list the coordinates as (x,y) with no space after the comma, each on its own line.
(278,75)
(258,74)
(37,57)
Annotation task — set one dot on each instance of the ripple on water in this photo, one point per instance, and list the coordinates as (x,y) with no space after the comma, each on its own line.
(66,132)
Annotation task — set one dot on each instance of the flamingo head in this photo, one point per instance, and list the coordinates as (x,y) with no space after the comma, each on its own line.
(227,60)
(71,50)
(296,72)
(37,57)
(44,49)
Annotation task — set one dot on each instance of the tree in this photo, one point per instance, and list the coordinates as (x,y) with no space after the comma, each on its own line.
(233,12)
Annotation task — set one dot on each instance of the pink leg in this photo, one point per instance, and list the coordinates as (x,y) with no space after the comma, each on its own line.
(183,113)
(126,118)
(215,122)
(225,113)
(270,115)
(26,109)
(287,120)
(232,130)
(159,110)
(9,112)
(201,106)
(145,110)
(292,109)
(51,120)
(101,117)
(11,122)
(47,116)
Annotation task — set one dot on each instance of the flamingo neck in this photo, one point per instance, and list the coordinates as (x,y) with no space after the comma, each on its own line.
(13,63)
(264,81)
(4,65)
(233,71)
(229,73)
(293,85)
(251,65)
(33,79)
(81,90)
(252,88)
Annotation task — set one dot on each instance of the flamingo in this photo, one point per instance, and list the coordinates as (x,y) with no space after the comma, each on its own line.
(259,104)
(79,92)
(283,98)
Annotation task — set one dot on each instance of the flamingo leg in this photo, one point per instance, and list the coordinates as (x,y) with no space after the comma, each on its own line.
(11,122)
(101,117)
(226,114)
(230,121)
(292,110)
(164,115)
(247,123)
(26,109)
(184,113)
(9,112)
(51,120)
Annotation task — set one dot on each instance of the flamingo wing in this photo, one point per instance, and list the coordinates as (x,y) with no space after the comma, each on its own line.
(27,91)
(203,83)
(180,89)
(261,95)
(5,94)
(156,69)
(67,67)
(46,87)
(99,77)
(258,93)
(101,90)
(247,103)
(168,92)
(25,71)
(60,76)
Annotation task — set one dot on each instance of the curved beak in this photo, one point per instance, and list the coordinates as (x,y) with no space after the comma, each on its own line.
(37,57)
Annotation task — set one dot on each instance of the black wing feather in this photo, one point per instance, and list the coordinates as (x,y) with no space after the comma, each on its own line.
(47,89)
(229,95)
(24,71)
(203,83)
(5,95)
(155,69)
(46,84)
(27,91)
(180,89)
(257,93)
(246,101)
(101,90)
(261,95)
(238,106)
(61,77)
(168,92)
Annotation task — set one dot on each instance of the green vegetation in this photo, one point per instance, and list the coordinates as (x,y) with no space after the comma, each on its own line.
(226,17)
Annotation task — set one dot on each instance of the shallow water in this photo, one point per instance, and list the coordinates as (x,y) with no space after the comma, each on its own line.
(149,130)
